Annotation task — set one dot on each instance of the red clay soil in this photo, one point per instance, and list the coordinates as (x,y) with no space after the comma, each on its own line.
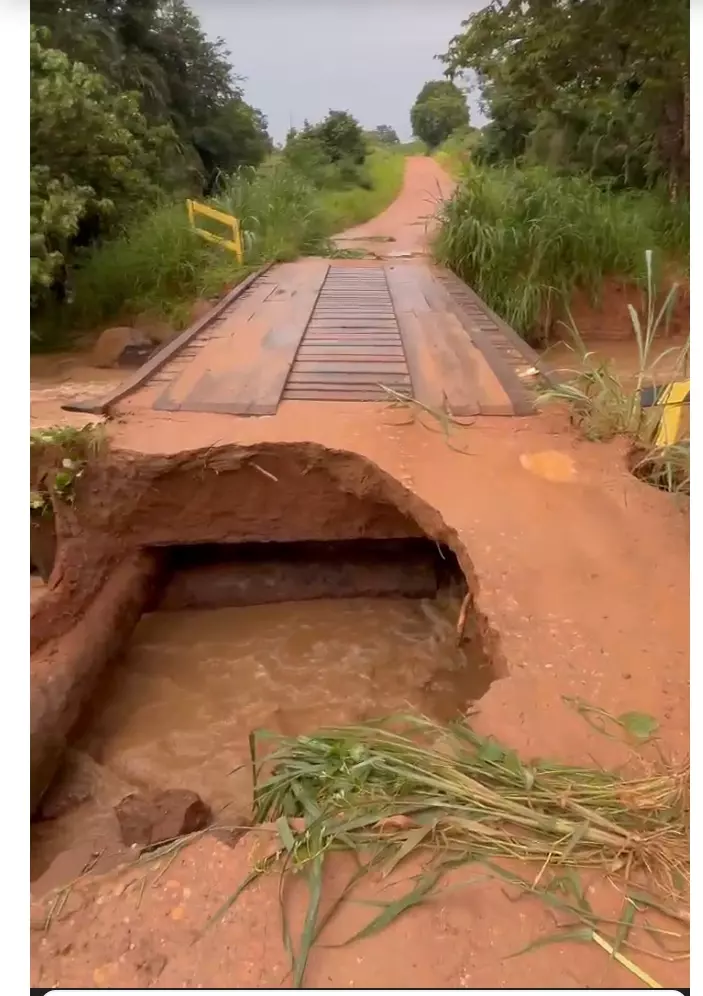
(408,222)
(580,580)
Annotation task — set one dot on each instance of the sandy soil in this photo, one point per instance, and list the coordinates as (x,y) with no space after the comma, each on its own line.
(581,572)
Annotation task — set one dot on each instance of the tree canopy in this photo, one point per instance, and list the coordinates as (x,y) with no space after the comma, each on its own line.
(439,109)
(156,48)
(128,98)
(597,85)
(385,134)
(332,150)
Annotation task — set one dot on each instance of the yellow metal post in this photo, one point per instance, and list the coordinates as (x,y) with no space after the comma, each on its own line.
(672,400)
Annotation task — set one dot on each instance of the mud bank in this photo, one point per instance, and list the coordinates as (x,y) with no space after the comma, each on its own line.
(64,671)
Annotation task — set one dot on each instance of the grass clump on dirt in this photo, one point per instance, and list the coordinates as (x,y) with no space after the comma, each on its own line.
(59,456)
(406,786)
(603,404)
(526,239)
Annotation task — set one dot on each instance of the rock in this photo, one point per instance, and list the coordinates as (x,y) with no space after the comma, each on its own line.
(146,820)
(113,343)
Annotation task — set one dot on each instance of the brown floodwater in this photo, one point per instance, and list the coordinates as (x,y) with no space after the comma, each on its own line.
(177,710)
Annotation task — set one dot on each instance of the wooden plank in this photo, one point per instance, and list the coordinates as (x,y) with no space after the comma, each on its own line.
(140,377)
(346,377)
(246,375)
(516,398)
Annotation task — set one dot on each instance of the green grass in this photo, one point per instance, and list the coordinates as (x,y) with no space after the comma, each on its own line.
(526,239)
(346,208)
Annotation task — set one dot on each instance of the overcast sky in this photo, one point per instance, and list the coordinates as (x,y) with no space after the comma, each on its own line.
(303,57)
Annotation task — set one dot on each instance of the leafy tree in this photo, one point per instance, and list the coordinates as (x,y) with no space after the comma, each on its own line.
(342,138)
(93,155)
(331,153)
(440,108)
(600,85)
(158,49)
(386,135)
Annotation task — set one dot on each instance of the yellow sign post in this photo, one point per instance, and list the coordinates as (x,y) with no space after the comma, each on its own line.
(234,244)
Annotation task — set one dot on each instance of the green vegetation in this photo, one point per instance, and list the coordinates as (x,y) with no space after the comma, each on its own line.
(595,86)
(159,266)
(604,405)
(133,110)
(584,163)
(439,109)
(127,101)
(60,455)
(526,238)
(383,135)
(406,788)
(456,152)
(385,167)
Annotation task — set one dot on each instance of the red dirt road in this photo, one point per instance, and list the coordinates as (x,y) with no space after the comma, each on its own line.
(579,570)
(408,222)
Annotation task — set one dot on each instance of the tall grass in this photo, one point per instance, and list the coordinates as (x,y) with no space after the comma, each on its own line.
(526,239)
(280,212)
(156,266)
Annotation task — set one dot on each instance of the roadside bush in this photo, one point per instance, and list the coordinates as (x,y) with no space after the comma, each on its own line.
(279,211)
(527,238)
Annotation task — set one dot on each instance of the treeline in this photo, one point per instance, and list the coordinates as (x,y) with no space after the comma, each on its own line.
(583,86)
(129,99)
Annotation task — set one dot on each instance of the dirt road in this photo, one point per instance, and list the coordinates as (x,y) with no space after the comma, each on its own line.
(579,575)
(408,223)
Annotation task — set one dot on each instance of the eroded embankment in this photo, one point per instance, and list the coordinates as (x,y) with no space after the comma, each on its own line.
(127,510)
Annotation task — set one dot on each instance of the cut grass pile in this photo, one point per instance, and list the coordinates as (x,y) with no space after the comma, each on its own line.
(526,239)
(407,787)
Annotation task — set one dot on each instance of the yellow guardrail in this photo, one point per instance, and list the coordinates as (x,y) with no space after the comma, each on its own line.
(234,244)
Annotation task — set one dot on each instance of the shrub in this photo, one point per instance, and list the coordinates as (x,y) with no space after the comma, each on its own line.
(525,239)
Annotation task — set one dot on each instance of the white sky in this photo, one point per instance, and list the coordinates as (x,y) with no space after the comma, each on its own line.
(303,57)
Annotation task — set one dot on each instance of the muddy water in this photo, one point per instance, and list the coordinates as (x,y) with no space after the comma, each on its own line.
(177,711)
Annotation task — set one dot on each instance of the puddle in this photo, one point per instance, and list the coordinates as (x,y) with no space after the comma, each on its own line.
(177,711)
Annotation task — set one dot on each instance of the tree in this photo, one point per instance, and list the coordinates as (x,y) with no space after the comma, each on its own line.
(386,135)
(331,153)
(157,48)
(600,85)
(93,155)
(440,108)
(342,138)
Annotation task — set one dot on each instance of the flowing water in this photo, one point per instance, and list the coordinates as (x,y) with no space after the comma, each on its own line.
(177,710)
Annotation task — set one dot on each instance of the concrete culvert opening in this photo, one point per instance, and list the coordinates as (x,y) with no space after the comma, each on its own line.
(286,634)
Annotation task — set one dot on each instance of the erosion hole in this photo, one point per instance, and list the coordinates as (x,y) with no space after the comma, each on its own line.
(319,592)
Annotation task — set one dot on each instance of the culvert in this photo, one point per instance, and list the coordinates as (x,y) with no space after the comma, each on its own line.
(209,529)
